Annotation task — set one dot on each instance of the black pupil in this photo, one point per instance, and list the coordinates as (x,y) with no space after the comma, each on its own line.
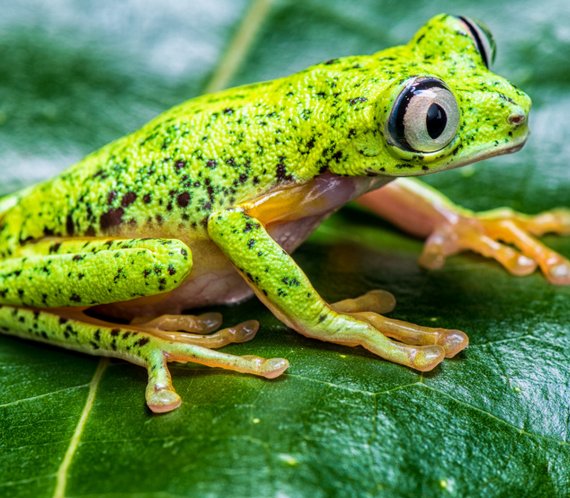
(436,120)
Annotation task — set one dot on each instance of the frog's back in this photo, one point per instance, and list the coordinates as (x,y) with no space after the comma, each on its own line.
(167,176)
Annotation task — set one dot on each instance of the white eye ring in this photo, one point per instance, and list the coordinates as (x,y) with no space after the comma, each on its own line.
(483,39)
(425,116)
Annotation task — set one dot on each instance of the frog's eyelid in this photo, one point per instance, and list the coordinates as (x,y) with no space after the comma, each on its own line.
(482,38)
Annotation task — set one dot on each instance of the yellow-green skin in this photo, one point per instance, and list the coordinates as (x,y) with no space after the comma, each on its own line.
(183,177)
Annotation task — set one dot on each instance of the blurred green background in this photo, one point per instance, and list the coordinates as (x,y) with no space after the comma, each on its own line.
(493,422)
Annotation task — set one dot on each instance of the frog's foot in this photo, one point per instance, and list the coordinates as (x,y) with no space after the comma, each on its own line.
(371,305)
(481,232)
(160,394)
(191,329)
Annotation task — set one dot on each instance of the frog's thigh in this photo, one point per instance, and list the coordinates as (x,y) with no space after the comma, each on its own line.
(89,272)
(286,290)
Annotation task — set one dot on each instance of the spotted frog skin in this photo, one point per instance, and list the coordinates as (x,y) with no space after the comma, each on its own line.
(204,204)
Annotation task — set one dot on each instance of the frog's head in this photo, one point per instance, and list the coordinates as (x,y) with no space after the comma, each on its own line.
(444,108)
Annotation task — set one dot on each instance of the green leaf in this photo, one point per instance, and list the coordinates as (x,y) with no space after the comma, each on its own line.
(492,422)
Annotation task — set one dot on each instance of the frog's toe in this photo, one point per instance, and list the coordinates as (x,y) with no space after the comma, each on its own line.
(450,341)
(555,267)
(160,394)
(162,400)
(378,301)
(553,221)
(195,324)
(255,365)
(239,333)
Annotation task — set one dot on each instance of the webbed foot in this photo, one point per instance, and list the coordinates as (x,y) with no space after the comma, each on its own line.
(370,307)
(160,394)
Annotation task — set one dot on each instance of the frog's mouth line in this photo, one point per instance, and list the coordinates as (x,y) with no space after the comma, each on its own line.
(487,154)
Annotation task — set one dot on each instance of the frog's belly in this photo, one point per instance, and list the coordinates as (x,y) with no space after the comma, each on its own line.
(213,280)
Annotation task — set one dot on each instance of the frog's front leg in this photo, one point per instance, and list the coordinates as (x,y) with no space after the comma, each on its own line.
(449,229)
(285,289)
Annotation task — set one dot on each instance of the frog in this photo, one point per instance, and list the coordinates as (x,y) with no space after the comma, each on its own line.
(204,205)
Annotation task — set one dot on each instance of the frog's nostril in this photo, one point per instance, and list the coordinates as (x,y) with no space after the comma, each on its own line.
(517,119)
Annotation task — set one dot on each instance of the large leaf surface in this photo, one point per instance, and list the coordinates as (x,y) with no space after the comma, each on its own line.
(493,422)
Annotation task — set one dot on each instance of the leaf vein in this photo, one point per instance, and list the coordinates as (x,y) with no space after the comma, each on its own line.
(498,419)
(40,396)
(62,472)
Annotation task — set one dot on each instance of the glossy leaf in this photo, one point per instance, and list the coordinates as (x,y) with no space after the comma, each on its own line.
(492,422)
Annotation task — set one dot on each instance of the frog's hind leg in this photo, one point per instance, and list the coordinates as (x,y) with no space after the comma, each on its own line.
(70,329)
(370,307)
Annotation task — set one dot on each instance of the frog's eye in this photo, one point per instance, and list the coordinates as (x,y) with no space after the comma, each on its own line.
(483,40)
(425,116)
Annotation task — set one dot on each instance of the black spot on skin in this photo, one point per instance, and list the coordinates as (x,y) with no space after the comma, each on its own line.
(115,332)
(111,218)
(142,342)
(69,225)
(183,199)
(212,163)
(78,257)
(228,111)
(147,198)
(63,321)
(171,270)
(75,298)
(54,248)
(111,197)
(250,243)
(179,165)
(281,173)
(128,199)
(357,100)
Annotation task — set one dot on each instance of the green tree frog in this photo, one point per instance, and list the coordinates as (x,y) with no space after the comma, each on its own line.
(204,204)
